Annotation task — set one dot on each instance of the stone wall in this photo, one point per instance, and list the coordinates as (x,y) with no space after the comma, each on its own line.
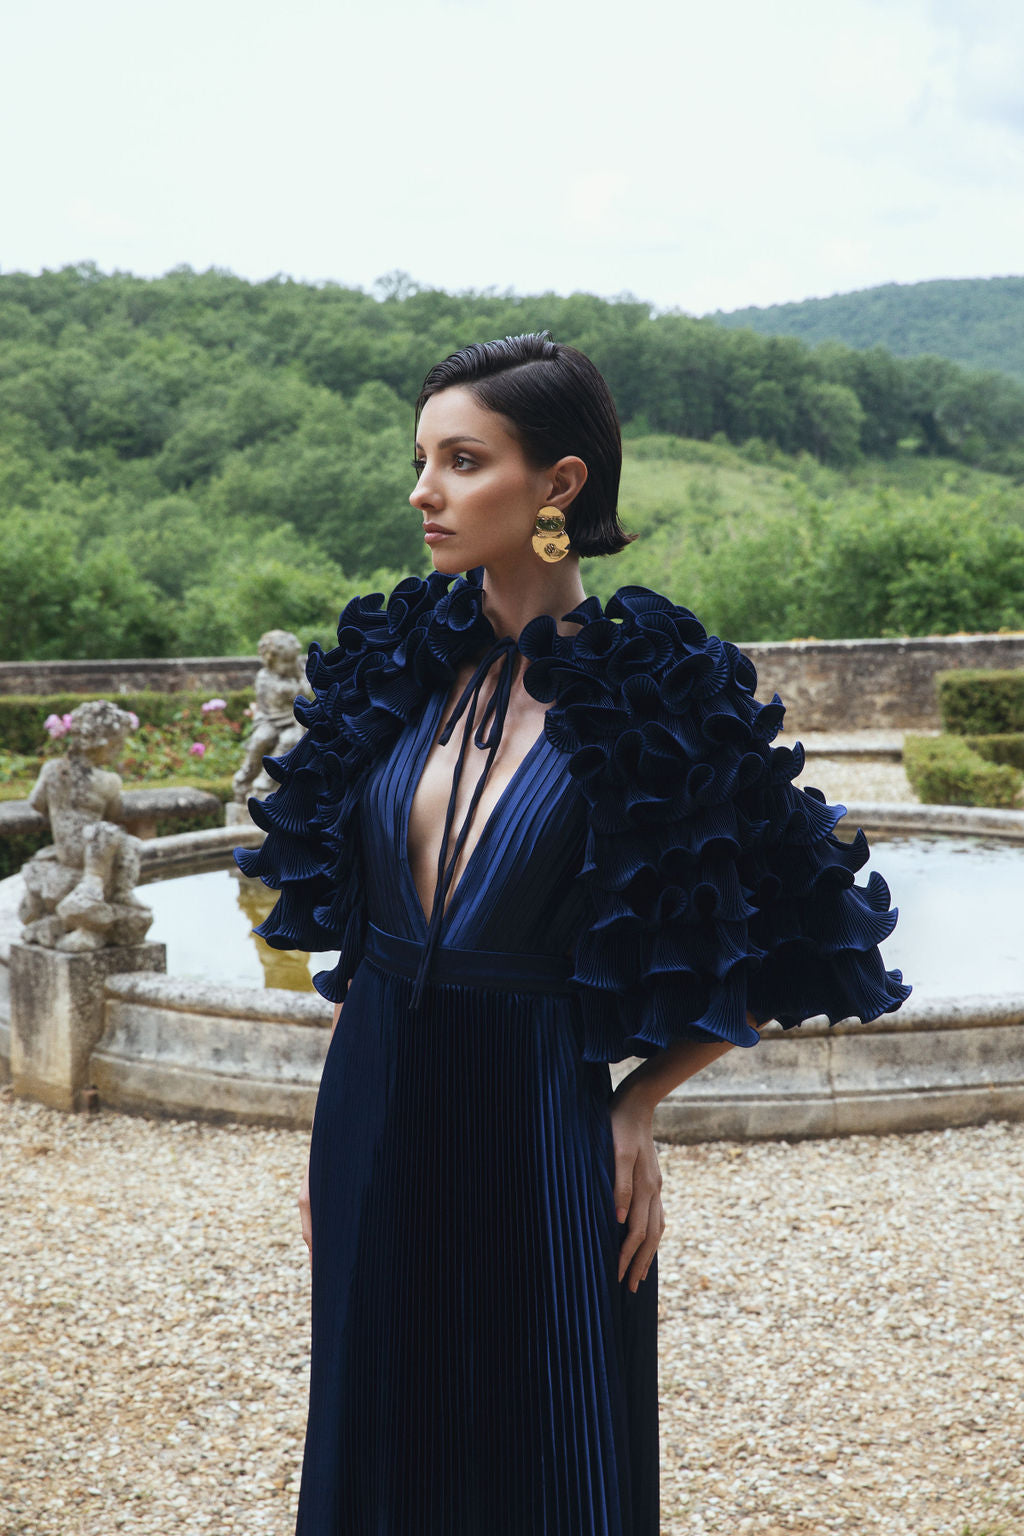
(206,674)
(827,685)
(862,685)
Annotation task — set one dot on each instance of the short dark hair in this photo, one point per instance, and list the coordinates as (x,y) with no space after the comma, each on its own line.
(559,405)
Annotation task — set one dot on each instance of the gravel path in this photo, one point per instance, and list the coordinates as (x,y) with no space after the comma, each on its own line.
(840,1331)
(854,778)
(840,1350)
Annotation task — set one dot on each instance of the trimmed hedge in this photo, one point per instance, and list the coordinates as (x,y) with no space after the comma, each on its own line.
(1005,748)
(981,703)
(945,770)
(22,715)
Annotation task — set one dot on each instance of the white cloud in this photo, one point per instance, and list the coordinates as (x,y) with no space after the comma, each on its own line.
(697,156)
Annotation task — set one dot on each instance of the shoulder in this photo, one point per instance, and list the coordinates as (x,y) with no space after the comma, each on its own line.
(425,625)
(650,661)
(674,633)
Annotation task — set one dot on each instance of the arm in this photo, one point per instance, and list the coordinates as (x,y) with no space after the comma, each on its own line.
(39,794)
(637,1174)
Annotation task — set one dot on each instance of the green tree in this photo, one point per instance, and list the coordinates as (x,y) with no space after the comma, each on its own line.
(833,418)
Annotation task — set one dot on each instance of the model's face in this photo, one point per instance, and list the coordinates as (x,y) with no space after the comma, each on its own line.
(475,486)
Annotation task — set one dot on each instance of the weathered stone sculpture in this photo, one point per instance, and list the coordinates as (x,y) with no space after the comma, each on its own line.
(79,893)
(275,727)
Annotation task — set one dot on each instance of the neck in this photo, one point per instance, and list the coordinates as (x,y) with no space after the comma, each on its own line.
(512,598)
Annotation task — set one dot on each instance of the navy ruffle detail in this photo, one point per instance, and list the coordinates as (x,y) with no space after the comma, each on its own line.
(717,887)
(365,690)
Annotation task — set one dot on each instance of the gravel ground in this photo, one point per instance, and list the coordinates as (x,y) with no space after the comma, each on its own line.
(840,1334)
(840,1323)
(858,780)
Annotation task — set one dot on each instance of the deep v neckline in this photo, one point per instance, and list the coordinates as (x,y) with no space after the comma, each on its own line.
(430,721)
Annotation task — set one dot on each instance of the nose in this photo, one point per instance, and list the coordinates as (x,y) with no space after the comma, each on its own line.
(424,495)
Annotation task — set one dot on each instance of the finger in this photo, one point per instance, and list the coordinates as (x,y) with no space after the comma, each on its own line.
(306,1222)
(623,1191)
(645,1253)
(634,1238)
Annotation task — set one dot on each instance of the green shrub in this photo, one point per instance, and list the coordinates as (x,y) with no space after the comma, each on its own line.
(17,847)
(944,770)
(15,768)
(1007,747)
(22,715)
(981,703)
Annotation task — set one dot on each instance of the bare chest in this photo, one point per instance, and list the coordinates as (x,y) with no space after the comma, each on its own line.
(428,812)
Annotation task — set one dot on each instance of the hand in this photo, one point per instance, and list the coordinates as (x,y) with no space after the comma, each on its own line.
(637,1185)
(307,1221)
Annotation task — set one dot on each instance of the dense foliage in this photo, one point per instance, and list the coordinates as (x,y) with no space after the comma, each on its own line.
(766,547)
(976,321)
(23,719)
(187,461)
(986,701)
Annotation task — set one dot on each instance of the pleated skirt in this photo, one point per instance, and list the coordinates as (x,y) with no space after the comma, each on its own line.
(477,1369)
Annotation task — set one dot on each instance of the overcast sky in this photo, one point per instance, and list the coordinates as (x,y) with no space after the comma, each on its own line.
(700,156)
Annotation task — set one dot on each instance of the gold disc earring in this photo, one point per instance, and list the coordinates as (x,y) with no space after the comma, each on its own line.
(550,539)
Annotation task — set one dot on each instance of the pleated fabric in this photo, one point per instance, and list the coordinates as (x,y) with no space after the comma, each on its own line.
(477,1369)
(713,886)
(649,874)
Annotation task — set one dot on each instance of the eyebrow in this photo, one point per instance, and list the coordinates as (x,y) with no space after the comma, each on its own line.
(449,442)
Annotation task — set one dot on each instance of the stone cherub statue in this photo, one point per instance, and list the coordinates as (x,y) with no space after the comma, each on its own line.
(275,727)
(79,893)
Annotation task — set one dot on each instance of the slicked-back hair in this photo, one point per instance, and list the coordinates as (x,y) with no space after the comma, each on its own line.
(558,405)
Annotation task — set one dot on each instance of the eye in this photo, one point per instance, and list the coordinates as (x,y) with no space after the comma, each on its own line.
(461,461)
(418,466)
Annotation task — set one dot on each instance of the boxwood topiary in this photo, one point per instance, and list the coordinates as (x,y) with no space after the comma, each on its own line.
(981,703)
(945,770)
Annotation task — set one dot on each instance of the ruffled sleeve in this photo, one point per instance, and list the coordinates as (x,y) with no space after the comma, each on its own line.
(365,690)
(716,887)
(362,696)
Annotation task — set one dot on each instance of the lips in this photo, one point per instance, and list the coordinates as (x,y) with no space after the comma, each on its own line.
(435,528)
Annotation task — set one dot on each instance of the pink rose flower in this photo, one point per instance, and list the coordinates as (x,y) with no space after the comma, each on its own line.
(133,717)
(212,704)
(55,725)
(197,749)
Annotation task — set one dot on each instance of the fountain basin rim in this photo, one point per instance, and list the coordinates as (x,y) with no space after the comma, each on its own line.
(188,994)
(193,851)
(943,820)
(207,848)
(192,994)
(186,852)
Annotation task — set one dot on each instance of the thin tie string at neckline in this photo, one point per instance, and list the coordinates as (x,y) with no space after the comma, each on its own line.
(487,735)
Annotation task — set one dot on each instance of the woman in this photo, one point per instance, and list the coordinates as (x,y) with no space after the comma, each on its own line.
(545,838)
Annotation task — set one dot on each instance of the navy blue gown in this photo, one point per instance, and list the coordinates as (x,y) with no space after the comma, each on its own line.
(477,1369)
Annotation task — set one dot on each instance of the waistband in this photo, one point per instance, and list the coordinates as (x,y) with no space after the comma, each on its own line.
(501,971)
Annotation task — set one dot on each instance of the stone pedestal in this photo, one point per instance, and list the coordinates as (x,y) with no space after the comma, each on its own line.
(57,1014)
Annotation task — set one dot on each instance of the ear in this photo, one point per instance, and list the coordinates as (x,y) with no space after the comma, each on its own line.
(566,479)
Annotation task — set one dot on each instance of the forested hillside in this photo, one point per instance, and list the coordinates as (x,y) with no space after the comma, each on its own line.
(187,461)
(976,321)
